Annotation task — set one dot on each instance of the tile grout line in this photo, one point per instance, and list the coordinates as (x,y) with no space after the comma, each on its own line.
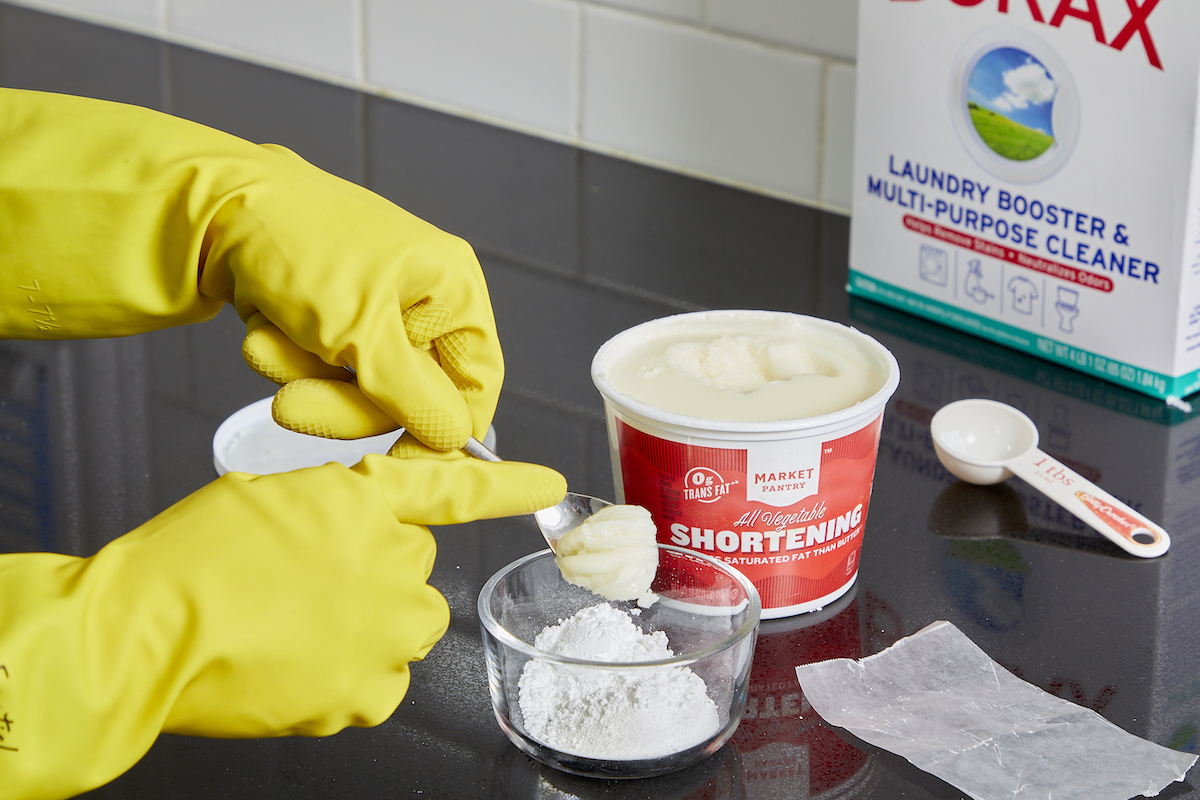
(822,129)
(162,15)
(360,42)
(580,66)
(704,25)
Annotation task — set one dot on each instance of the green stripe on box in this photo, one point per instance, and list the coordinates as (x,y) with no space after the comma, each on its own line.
(1141,380)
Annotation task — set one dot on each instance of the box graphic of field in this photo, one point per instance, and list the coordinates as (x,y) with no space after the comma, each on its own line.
(1011,103)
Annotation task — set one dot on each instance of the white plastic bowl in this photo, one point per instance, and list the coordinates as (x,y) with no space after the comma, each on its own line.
(250,441)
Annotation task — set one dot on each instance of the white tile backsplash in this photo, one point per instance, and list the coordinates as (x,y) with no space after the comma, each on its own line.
(685,10)
(511,60)
(701,102)
(757,93)
(140,14)
(837,158)
(315,35)
(828,27)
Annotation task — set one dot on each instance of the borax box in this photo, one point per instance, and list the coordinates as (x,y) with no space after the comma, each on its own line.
(1027,171)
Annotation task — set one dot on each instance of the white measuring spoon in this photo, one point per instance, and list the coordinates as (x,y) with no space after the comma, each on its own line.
(986,442)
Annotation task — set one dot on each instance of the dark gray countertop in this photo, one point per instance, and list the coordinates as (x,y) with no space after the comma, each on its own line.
(100,435)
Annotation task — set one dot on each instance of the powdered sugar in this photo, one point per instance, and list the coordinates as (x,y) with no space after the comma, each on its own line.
(612,713)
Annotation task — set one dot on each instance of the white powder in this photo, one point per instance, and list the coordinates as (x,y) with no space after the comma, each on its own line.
(609,714)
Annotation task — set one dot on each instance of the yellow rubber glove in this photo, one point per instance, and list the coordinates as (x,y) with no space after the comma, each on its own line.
(116,219)
(258,606)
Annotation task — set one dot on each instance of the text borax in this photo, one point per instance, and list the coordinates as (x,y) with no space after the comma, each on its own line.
(770,541)
(1135,25)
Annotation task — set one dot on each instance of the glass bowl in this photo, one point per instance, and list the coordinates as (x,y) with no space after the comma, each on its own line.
(621,719)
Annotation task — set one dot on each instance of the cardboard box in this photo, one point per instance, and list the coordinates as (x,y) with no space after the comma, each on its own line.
(1026,170)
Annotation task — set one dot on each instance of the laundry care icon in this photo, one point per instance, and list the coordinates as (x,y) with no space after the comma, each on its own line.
(1023,292)
(973,284)
(934,265)
(1067,307)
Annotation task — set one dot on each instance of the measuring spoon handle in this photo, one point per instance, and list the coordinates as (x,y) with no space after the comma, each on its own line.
(1118,522)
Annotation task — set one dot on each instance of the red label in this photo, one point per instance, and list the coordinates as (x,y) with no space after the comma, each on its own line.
(789,515)
(1123,523)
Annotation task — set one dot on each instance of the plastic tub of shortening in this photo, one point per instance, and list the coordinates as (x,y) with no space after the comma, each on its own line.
(773,477)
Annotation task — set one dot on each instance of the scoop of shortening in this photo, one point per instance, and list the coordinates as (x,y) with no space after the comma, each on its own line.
(614,553)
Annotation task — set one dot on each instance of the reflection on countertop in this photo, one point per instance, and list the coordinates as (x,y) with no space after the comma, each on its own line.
(100,435)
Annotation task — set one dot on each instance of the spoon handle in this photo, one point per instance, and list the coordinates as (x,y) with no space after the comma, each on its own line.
(556,520)
(479,450)
(1118,522)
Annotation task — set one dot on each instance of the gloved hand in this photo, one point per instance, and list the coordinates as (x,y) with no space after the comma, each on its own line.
(258,606)
(116,220)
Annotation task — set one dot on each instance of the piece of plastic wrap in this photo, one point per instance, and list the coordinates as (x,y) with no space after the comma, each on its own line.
(938,700)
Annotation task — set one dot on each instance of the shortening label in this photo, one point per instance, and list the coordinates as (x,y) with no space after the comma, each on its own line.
(789,514)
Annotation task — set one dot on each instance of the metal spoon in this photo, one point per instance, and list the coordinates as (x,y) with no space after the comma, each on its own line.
(556,520)
(986,442)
